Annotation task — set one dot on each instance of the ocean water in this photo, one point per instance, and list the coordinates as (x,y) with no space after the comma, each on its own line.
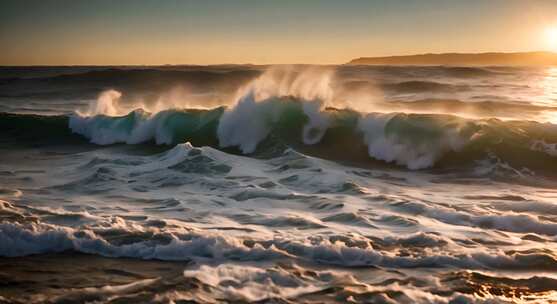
(278,184)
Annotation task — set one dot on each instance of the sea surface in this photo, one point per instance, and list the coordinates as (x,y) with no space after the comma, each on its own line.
(278,184)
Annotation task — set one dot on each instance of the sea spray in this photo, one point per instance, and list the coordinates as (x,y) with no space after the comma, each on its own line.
(301,107)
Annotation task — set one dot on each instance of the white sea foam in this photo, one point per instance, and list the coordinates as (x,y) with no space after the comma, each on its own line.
(134,128)
(285,227)
(245,283)
(32,238)
(259,106)
(218,210)
(415,153)
(541,145)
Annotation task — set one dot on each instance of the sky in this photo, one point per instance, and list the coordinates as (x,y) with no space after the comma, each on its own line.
(149,32)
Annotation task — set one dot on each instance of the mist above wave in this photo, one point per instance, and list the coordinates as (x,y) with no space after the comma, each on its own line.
(295,107)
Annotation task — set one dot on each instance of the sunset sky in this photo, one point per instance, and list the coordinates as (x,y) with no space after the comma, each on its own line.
(48,32)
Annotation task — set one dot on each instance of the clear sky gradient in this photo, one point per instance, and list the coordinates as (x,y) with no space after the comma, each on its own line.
(60,32)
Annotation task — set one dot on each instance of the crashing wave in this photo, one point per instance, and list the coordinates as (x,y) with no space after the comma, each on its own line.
(282,109)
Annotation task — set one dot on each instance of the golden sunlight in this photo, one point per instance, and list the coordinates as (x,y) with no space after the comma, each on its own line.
(551,38)
(278,151)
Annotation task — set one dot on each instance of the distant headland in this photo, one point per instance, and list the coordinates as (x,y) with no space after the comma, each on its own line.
(515,59)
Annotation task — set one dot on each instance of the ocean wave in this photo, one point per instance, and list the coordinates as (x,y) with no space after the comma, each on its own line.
(514,222)
(478,109)
(287,108)
(182,245)
(284,194)
(243,282)
(405,87)
(415,141)
(28,231)
(109,76)
(411,140)
(166,127)
(298,109)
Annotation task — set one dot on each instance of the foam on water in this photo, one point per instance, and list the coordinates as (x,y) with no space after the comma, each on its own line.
(294,109)
(293,192)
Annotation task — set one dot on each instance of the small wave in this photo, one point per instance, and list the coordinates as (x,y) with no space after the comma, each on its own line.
(165,127)
(480,109)
(541,145)
(423,86)
(31,238)
(404,87)
(463,72)
(522,223)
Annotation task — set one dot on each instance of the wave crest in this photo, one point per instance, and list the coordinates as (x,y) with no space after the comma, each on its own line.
(285,107)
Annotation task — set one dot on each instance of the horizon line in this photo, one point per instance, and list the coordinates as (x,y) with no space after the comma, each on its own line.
(271,64)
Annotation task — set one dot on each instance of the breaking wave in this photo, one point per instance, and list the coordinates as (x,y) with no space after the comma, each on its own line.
(415,141)
(281,109)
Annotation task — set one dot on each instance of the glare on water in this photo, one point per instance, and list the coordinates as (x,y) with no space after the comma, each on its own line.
(550,85)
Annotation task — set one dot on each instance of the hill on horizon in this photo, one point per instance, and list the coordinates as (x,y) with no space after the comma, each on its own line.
(492,58)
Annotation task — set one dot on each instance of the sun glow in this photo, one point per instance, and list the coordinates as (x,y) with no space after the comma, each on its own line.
(551,38)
